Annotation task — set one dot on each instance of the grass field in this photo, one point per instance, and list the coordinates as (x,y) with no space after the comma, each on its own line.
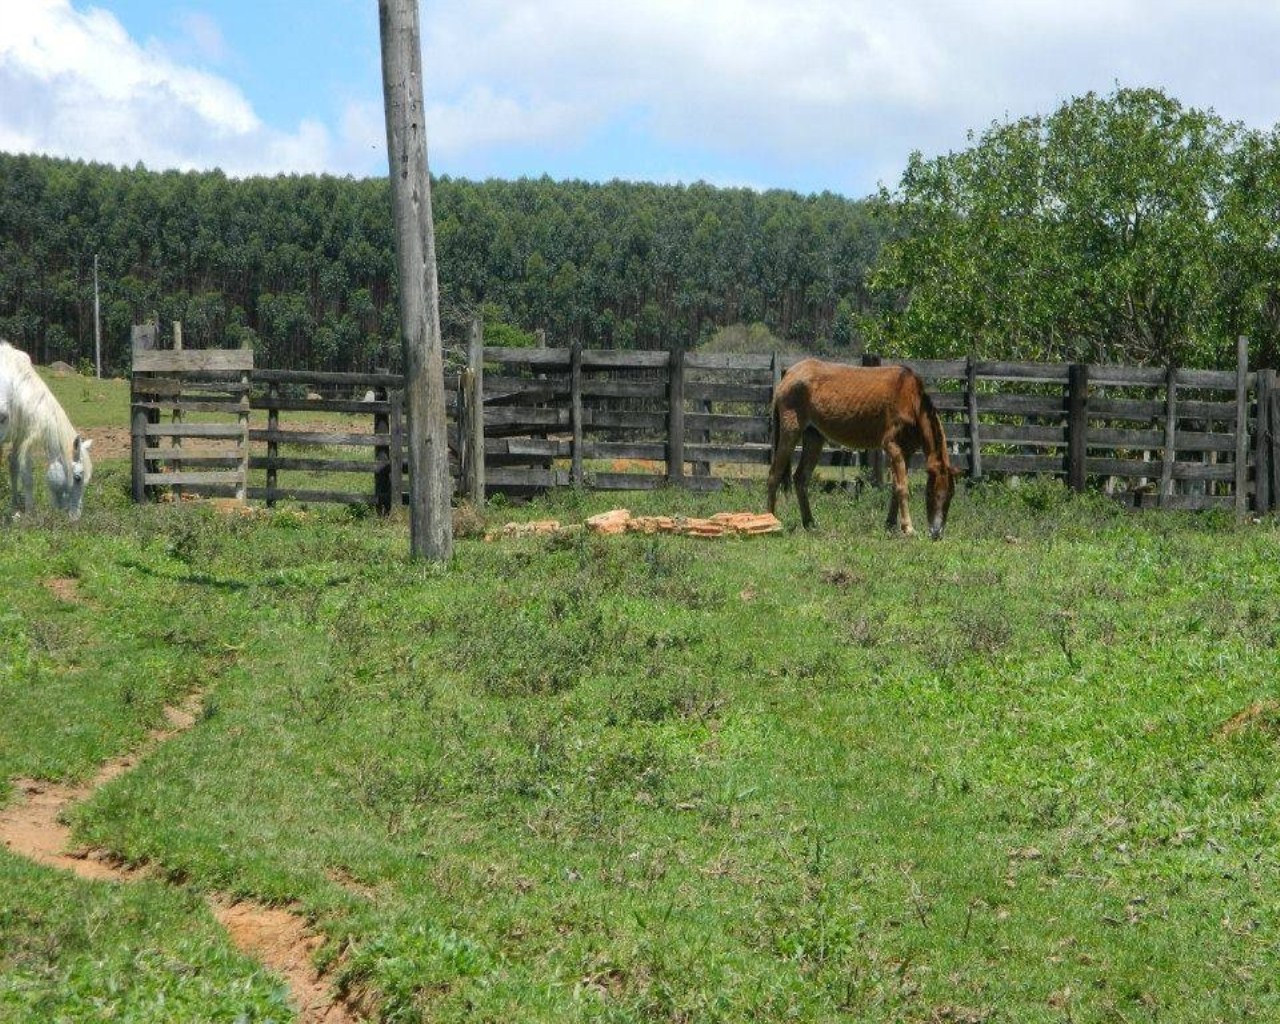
(1027,774)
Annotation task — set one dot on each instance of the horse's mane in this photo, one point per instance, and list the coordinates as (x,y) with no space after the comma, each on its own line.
(34,411)
(930,412)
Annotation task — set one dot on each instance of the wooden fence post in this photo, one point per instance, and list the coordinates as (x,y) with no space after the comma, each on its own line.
(1077,424)
(475,400)
(675,415)
(1263,500)
(138,436)
(242,488)
(1170,453)
(575,411)
(273,444)
(396,398)
(175,464)
(975,438)
(1273,422)
(1242,427)
(382,455)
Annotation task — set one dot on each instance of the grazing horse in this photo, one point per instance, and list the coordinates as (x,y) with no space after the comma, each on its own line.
(31,416)
(861,407)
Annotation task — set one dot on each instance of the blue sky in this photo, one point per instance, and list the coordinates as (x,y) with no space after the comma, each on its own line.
(808,95)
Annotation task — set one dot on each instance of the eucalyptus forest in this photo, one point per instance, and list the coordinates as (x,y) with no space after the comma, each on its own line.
(1125,227)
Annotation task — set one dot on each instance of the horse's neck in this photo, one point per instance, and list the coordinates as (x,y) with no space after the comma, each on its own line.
(45,423)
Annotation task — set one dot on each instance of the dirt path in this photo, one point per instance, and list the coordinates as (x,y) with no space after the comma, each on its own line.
(277,937)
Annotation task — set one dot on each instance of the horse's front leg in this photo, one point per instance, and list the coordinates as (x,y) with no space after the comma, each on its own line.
(899,504)
(15,479)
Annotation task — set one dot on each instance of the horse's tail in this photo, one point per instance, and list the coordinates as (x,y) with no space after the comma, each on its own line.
(776,428)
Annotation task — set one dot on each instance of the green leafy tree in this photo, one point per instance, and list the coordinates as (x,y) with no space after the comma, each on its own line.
(1093,233)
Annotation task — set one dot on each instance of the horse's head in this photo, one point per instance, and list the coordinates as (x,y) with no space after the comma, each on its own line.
(938,492)
(67,483)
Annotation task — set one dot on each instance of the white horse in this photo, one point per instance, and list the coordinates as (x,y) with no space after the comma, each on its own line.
(31,416)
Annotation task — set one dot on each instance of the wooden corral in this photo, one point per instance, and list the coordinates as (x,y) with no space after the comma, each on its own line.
(554,417)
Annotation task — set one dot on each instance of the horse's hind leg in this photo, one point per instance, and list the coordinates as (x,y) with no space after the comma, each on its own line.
(899,504)
(810,451)
(788,428)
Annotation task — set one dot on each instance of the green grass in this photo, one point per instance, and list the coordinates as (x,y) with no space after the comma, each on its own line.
(818,776)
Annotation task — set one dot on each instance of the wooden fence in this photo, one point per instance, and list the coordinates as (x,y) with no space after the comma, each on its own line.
(530,419)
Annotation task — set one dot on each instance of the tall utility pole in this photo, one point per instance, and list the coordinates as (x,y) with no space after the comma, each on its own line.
(430,489)
(97,321)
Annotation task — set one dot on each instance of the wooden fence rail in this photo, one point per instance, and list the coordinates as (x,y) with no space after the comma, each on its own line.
(523,420)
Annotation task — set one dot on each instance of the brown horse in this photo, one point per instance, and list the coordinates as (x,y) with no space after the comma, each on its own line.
(861,407)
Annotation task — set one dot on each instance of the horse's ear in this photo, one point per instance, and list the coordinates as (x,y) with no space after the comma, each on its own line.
(86,444)
(75,448)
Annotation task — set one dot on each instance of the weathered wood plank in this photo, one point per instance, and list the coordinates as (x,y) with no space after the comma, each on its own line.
(1027,373)
(533,419)
(281,462)
(653,451)
(171,361)
(162,479)
(543,358)
(318,379)
(1030,464)
(623,389)
(342,405)
(610,359)
(758,394)
(1016,405)
(314,437)
(611,419)
(1104,374)
(726,361)
(223,431)
(1204,471)
(181,405)
(187,459)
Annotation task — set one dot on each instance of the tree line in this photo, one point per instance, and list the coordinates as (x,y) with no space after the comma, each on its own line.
(1122,228)
(302,267)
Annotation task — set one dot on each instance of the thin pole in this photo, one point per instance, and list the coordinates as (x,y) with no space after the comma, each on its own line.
(430,488)
(97,321)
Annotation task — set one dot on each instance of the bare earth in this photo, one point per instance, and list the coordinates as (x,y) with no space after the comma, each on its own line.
(277,937)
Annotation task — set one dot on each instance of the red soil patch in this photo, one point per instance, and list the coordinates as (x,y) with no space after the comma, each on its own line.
(280,939)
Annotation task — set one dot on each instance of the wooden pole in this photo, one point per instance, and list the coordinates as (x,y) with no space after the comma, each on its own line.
(430,489)
(138,431)
(475,411)
(176,442)
(675,415)
(397,448)
(1262,482)
(1242,427)
(975,440)
(383,456)
(273,446)
(575,410)
(1077,424)
(1170,453)
(97,321)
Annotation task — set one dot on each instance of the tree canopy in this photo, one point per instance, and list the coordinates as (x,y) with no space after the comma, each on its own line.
(303,267)
(1118,227)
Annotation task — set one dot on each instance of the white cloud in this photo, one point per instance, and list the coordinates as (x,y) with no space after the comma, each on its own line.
(834,83)
(75,84)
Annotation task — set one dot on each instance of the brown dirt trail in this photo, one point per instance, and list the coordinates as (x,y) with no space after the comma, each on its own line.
(277,937)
